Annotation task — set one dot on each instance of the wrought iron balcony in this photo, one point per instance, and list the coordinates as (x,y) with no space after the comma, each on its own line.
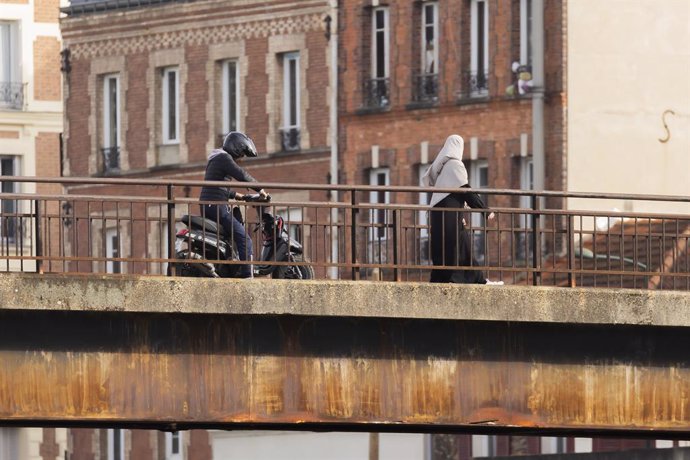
(425,87)
(475,85)
(111,159)
(377,93)
(11,95)
(290,139)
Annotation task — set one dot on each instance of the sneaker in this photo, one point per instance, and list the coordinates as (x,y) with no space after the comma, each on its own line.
(494,283)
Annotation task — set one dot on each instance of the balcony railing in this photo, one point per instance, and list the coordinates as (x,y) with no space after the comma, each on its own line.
(11,95)
(290,139)
(475,85)
(522,246)
(376,93)
(425,88)
(111,159)
(78,7)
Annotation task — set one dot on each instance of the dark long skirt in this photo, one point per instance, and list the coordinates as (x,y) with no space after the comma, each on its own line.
(450,245)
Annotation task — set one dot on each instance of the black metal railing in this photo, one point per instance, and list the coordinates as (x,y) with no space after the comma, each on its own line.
(474,84)
(290,139)
(376,93)
(11,95)
(78,7)
(354,238)
(425,88)
(111,159)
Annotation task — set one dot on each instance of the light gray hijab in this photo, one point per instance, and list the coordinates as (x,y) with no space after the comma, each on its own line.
(447,170)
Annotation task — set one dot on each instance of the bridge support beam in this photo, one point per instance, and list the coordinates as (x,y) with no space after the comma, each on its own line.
(171,364)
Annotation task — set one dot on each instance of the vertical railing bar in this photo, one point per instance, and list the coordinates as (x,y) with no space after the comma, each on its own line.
(396,271)
(536,246)
(571,248)
(171,229)
(39,248)
(353,235)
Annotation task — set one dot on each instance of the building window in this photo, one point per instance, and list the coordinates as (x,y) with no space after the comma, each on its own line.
(173,446)
(526,32)
(477,79)
(231,96)
(11,87)
(483,445)
(479,178)
(426,84)
(423,219)
(379,217)
(377,88)
(292,218)
(290,132)
(171,105)
(111,123)
(9,443)
(116,444)
(553,445)
(112,251)
(9,225)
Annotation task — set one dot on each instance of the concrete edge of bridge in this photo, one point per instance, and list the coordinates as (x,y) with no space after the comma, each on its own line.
(102,293)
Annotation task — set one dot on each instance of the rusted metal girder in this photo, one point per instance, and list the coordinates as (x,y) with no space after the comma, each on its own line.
(183,369)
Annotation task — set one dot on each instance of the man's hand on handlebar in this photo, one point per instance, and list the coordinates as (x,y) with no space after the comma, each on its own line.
(261,197)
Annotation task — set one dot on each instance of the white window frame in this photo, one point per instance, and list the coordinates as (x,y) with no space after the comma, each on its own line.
(293,218)
(10,206)
(483,445)
(112,453)
(10,52)
(165,109)
(475,182)
(553,445)
(107,141)
(170,454)
(526,183)
(110,251)
(288,85)
(231,65)
(423,220)
(474,47)
(526,32)
(379,234)
(375,74)
(425,57)
(9,443)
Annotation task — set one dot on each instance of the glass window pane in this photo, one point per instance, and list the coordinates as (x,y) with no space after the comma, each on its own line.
(232,96)
(293,92)
(172,105)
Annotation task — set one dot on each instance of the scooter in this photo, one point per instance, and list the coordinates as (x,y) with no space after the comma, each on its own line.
(204,241)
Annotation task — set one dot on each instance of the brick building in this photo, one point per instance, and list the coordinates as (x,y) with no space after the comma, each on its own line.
(153,101)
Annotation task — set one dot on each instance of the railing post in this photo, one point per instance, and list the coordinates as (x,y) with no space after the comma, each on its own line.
(571,249)
(396,260)
(39,243)
(171,231)
(353,234)
(536,242)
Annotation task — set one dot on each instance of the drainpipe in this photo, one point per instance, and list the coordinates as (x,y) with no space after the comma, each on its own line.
(332,35)
(538,94)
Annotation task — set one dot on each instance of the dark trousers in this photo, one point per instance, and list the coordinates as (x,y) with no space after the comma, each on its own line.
(234,229)
(450,245)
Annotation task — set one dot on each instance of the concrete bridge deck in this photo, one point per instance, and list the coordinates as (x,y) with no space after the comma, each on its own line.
(176,353)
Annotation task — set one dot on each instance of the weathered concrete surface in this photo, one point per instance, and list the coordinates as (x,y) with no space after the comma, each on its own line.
(339,355)
(343,298)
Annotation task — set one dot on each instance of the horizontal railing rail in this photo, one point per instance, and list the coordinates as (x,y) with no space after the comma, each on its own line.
(130,226)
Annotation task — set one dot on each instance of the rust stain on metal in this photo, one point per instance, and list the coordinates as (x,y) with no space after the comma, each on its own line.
(238,370)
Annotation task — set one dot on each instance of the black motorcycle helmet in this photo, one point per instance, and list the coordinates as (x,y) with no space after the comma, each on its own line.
(239,145)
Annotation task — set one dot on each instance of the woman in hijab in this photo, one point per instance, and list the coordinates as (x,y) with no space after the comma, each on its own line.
(450,243)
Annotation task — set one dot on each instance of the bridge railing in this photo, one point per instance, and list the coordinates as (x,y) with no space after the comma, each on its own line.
(128,226)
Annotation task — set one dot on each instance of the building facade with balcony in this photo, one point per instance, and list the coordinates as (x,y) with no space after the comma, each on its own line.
(155,101)
(30,104)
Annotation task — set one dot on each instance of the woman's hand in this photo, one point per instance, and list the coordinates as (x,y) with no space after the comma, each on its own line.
(492,215)
(239,196)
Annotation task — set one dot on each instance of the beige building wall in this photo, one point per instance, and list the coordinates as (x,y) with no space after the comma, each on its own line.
(628,64)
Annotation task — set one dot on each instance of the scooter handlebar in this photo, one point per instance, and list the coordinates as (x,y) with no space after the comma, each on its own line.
(256,198)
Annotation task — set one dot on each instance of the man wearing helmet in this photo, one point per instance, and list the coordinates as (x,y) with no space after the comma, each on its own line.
(221,166)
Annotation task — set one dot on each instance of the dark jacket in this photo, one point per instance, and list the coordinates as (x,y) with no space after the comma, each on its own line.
(220,167)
